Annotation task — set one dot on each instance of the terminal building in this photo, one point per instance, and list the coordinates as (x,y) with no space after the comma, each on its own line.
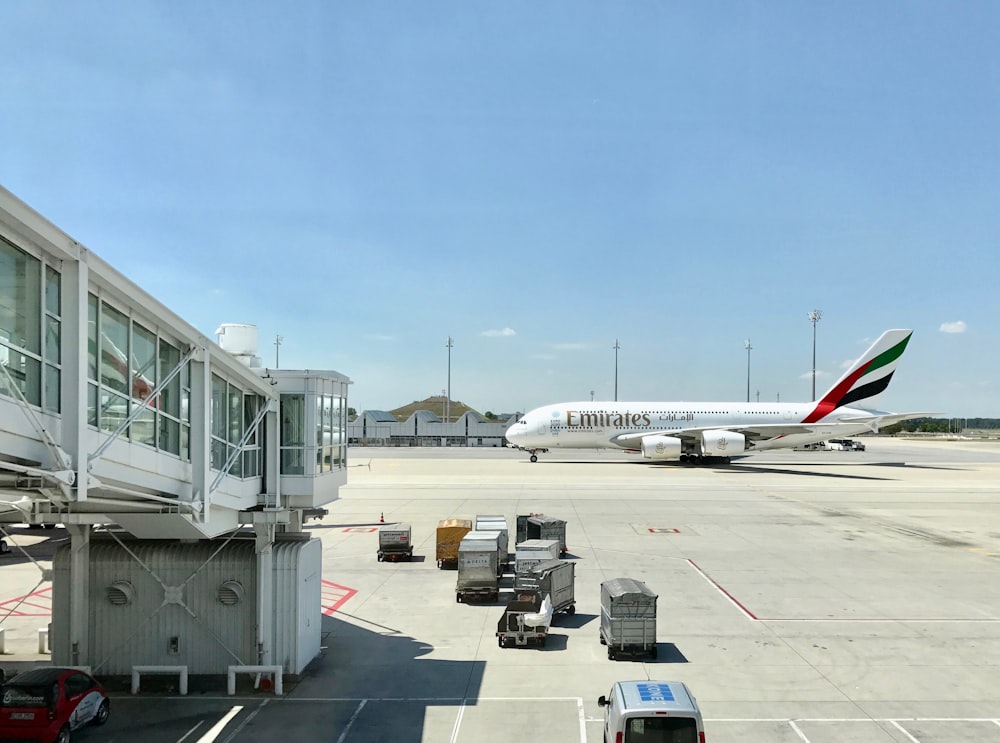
(182,470)
(424,428)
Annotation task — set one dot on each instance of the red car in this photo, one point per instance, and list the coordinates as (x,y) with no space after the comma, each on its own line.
(48,704)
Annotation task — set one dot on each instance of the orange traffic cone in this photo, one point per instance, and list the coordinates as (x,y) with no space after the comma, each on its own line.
(381,517)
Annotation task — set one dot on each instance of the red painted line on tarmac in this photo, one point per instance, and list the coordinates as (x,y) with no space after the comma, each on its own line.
(336,595)
(40,601)
(723,591)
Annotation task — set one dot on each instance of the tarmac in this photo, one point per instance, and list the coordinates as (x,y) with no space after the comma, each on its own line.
(803,596)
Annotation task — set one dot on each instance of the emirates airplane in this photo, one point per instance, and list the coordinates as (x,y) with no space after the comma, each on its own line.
(691,431)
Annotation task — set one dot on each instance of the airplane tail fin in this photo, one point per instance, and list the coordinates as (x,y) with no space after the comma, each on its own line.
(867,377)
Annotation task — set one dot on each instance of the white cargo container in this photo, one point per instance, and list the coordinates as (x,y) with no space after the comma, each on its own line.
(531,552)
(495,523)
(477,567)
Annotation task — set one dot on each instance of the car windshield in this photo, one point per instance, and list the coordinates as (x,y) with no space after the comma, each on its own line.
(661,730)
(34,695)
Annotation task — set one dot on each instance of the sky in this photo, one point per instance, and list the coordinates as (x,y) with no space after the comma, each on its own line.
(539,182)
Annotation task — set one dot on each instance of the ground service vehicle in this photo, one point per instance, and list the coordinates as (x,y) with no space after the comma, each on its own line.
(525,619)
(394,542)
(651,712)
(47,704)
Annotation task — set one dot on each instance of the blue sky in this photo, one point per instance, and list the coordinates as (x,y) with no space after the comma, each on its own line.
(534,180)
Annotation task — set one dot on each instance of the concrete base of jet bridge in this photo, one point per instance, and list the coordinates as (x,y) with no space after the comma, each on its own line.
(204,605)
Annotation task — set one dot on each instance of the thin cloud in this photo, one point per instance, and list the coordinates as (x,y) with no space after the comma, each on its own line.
(958,326)
(571,346)
(501,333)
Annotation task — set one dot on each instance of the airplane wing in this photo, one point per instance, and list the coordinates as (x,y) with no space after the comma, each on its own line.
(754,432)
(766,431)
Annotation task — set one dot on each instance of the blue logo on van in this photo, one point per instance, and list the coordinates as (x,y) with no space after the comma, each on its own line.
(655,693)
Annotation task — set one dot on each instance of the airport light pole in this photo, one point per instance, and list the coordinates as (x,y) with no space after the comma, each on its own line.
(616,347)
(447,414)
(814,317)
(277,343)
(749,348)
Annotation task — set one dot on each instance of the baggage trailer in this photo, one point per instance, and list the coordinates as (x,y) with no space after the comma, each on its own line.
(449,535)
(531,552)
(521,526)
(525,620)
(540,526)
(394,542)
(628,618)
(477,568)
(555,579)
(496,523)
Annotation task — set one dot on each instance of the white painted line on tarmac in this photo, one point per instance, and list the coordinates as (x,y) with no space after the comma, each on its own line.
(189,732)
(347,729)
(458,722)
(218,727)
(795,729)
(903,730)
(583,720)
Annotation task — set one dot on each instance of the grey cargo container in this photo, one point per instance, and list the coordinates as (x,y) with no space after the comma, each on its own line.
(541,526)
(557,579)
(628,617)
(477,567)
(530,553)
(394,542)
(498,524)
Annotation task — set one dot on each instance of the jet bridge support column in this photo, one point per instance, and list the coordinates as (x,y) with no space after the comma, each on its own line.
(265,590)
(79,595)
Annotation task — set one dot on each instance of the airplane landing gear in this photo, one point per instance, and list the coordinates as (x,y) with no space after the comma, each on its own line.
(534,457)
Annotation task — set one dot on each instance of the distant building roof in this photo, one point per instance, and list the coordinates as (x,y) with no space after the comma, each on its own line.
(380,416)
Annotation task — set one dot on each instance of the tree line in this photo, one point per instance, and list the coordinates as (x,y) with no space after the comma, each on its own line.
(942,425)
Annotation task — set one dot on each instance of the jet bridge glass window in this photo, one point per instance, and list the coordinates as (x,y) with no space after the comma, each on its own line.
(233,412)
(23,322)
(293,434)
(125,361)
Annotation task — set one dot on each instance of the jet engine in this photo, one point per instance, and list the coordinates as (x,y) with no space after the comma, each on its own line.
(661,447)
(722,443)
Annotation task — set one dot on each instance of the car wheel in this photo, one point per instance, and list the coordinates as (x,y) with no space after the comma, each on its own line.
(63,736)
(103,712)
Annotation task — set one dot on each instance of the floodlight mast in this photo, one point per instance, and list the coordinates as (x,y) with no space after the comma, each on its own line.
(749,348)
(814,317)
(616,347)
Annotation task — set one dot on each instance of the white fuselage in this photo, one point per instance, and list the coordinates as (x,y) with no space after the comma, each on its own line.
(597,425)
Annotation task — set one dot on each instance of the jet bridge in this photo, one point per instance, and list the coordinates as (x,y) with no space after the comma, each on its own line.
(118,418)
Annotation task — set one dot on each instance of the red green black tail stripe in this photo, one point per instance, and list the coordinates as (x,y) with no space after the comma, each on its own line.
(848,391)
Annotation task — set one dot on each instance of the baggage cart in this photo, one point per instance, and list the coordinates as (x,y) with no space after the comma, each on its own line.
(557,580)
(628,617)
(525,620)
(498,525)
(449,535)
(521,526)
(394,542)
(541,526)
(477,568)
(530,553)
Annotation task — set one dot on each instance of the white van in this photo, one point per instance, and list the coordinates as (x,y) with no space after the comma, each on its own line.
(651,712)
